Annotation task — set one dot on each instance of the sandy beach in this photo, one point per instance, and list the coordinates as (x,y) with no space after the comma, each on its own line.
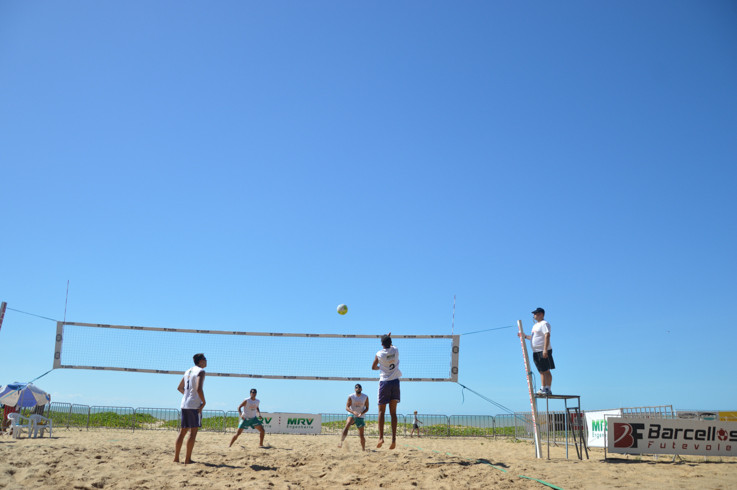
(143,459)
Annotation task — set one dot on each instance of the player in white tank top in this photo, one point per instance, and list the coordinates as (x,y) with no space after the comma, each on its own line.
(386,362)
(357,406)
(358,403)
(193,401)
(249,410)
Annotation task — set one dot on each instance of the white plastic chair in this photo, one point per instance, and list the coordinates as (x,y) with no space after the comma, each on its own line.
(17,426)
(39,424)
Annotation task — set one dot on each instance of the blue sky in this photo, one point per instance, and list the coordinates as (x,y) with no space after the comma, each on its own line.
(250,166)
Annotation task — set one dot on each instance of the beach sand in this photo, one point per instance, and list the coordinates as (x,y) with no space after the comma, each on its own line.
(144,459)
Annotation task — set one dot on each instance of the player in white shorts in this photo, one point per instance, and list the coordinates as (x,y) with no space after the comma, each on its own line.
(357,405)
(249,412)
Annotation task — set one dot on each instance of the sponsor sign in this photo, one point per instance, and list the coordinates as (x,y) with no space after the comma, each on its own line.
(290,423)
(300,423)
(698,415)
(596,424)
(671,436)
(728,416)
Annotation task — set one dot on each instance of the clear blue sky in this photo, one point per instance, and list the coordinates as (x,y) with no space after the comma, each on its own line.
(251,165)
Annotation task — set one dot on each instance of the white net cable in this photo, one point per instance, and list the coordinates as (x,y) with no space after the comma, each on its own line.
(250,354)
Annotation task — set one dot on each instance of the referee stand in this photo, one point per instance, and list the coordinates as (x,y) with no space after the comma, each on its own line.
(572,424)
(572,413)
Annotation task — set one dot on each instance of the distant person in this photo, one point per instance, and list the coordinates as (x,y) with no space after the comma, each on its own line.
(542,350)
(415,426)
(193,401)
(387,362)
(357,405)
(249,413)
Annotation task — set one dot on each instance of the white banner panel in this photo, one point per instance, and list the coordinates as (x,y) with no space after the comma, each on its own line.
(300,423)
(596,423)
(290,423)
(671,436)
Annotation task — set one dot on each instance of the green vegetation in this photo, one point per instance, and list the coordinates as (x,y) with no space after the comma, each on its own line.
(335,425)
(126,418)
(439,430)
(102,419)
(214,423)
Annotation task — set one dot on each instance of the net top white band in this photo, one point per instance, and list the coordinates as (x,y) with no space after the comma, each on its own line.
(261,334)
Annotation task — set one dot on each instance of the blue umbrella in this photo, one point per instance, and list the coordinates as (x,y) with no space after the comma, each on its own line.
(23,395)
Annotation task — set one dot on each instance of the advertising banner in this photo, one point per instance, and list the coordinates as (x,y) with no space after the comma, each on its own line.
(290,423)
(732,416)
(671,436)
(698,415)
(300,423)
(596,426)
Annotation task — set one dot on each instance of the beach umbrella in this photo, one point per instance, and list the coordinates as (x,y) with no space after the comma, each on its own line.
(23,395)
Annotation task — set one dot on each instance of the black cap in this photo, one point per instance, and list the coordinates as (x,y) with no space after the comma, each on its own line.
(386,341)
(538,310)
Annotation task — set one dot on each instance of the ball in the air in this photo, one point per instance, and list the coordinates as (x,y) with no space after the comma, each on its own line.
(342,309)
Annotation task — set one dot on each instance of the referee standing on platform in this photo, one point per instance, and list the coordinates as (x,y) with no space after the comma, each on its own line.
(542,350)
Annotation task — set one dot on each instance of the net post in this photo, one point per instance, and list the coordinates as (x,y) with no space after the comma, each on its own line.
(533,400)
(57,347)
(454,358)
(2,312)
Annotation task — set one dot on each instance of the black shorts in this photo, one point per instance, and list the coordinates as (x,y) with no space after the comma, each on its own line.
(543,364)
(388,391)
(191,418)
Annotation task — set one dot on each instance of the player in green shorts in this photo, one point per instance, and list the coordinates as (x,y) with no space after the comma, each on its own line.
(357,406)
(250,414)
(250,423)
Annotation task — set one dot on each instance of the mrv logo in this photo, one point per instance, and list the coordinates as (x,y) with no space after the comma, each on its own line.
(300,421)
(265,420)
(598,425)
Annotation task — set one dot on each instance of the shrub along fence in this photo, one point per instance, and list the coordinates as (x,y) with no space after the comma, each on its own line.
(68,415)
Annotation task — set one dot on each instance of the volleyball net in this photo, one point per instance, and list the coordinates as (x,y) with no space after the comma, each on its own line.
(250,354)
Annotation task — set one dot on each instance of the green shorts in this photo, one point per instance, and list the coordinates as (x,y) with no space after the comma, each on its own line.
(358,421)
(249,423)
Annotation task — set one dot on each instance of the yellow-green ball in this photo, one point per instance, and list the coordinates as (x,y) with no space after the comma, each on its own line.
(342,309)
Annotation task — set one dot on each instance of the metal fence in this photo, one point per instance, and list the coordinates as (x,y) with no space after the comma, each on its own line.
(146,418)
(659,411)
(68,415)
(557,424)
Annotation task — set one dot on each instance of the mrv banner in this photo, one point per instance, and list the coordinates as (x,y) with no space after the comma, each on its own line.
(671,436)
(596,422)
(290,423)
